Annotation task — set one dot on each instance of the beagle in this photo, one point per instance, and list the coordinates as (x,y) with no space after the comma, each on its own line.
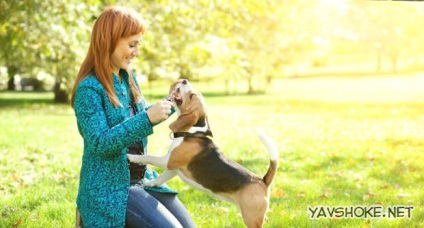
(195,158)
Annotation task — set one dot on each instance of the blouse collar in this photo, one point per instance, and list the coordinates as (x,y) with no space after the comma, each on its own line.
(124,75)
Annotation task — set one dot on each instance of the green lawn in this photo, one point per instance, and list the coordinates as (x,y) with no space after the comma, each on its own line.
(343,142)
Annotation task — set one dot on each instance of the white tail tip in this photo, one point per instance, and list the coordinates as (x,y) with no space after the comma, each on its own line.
(269,144)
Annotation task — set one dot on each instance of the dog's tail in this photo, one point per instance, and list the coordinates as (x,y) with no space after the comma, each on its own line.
(273,152)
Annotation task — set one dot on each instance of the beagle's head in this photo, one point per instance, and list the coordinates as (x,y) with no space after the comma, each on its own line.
(191,107)
(175,91)
(181,93)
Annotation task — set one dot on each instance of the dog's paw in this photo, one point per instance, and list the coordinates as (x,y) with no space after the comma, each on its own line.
(150,183)
(135,158)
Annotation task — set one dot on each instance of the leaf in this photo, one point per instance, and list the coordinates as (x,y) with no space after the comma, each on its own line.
(365,226)
(278,193)
(368,195)
(15,177)
(300,195)
(324,195)
(372,193)
(17,223)
(385,186)
(223,210)
(358,178)
(403,195)
(365,197)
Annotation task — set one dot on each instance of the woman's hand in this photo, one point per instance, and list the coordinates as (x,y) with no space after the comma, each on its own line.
(159,112)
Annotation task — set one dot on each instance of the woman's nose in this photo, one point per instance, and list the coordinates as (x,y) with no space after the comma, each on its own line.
(136,52)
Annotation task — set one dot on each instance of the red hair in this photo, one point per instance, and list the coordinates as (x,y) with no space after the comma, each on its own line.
(113,24)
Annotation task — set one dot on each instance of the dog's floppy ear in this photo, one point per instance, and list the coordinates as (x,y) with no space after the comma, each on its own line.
(184,122)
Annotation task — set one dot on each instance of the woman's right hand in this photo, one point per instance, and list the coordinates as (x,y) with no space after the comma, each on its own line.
(159,112)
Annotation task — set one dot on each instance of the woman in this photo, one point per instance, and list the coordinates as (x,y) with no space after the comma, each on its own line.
(113,119)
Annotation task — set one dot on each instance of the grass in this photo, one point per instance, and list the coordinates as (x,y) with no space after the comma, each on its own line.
(337,148)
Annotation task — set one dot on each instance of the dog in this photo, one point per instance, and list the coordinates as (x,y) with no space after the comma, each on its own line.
(195,158)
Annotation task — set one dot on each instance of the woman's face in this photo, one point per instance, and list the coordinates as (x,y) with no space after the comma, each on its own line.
(125,51)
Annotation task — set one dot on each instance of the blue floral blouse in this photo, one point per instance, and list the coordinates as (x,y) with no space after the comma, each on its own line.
(107,132)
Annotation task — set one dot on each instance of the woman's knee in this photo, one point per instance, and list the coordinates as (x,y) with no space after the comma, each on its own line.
(144,210)
(176,207)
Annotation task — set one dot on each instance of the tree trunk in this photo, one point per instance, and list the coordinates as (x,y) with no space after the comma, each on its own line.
(60,95)
(227,87)
(394,63)
(378,62)
(249,82)
(11,71)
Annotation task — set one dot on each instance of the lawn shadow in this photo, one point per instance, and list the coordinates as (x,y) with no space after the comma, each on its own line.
(13,100)
(16,103)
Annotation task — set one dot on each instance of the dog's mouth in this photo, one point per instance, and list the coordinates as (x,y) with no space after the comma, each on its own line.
(178,100)
(179,91)
(175,97)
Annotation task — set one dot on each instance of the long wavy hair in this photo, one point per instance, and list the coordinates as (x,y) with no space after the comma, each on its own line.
(113,24)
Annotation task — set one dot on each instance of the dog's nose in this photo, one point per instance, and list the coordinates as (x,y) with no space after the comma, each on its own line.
(184,81)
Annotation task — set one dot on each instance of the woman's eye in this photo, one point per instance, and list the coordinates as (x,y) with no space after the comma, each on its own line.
(134,45)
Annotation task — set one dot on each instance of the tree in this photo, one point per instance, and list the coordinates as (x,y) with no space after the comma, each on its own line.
(239,39)
(15,22)
(46,35)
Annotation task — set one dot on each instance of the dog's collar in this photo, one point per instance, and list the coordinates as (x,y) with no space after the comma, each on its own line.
(174,135)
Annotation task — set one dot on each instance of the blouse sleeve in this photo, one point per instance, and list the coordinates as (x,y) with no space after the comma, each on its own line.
(98,136)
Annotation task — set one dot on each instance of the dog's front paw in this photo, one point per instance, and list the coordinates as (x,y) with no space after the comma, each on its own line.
(150,183)
(135,158)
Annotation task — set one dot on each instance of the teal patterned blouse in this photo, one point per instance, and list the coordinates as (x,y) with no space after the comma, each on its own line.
(107,132)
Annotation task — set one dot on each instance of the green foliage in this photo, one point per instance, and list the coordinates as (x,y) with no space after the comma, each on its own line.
(48,36)
(251,41)
(201,40)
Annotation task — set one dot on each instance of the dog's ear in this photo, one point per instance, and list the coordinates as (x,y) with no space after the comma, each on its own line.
(184,122)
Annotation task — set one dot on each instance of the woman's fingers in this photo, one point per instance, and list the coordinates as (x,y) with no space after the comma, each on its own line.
(159,112)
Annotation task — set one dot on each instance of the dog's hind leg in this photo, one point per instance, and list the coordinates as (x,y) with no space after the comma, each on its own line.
(253,205)
(164,177)
(254,215)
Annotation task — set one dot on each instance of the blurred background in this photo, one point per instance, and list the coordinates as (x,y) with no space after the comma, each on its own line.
(243,45)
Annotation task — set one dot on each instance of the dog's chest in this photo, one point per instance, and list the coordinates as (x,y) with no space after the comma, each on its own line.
(175,143)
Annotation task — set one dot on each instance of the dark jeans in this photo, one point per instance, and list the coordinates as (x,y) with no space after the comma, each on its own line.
(152,209)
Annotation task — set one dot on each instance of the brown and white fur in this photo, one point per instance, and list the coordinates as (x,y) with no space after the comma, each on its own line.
(195,158)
